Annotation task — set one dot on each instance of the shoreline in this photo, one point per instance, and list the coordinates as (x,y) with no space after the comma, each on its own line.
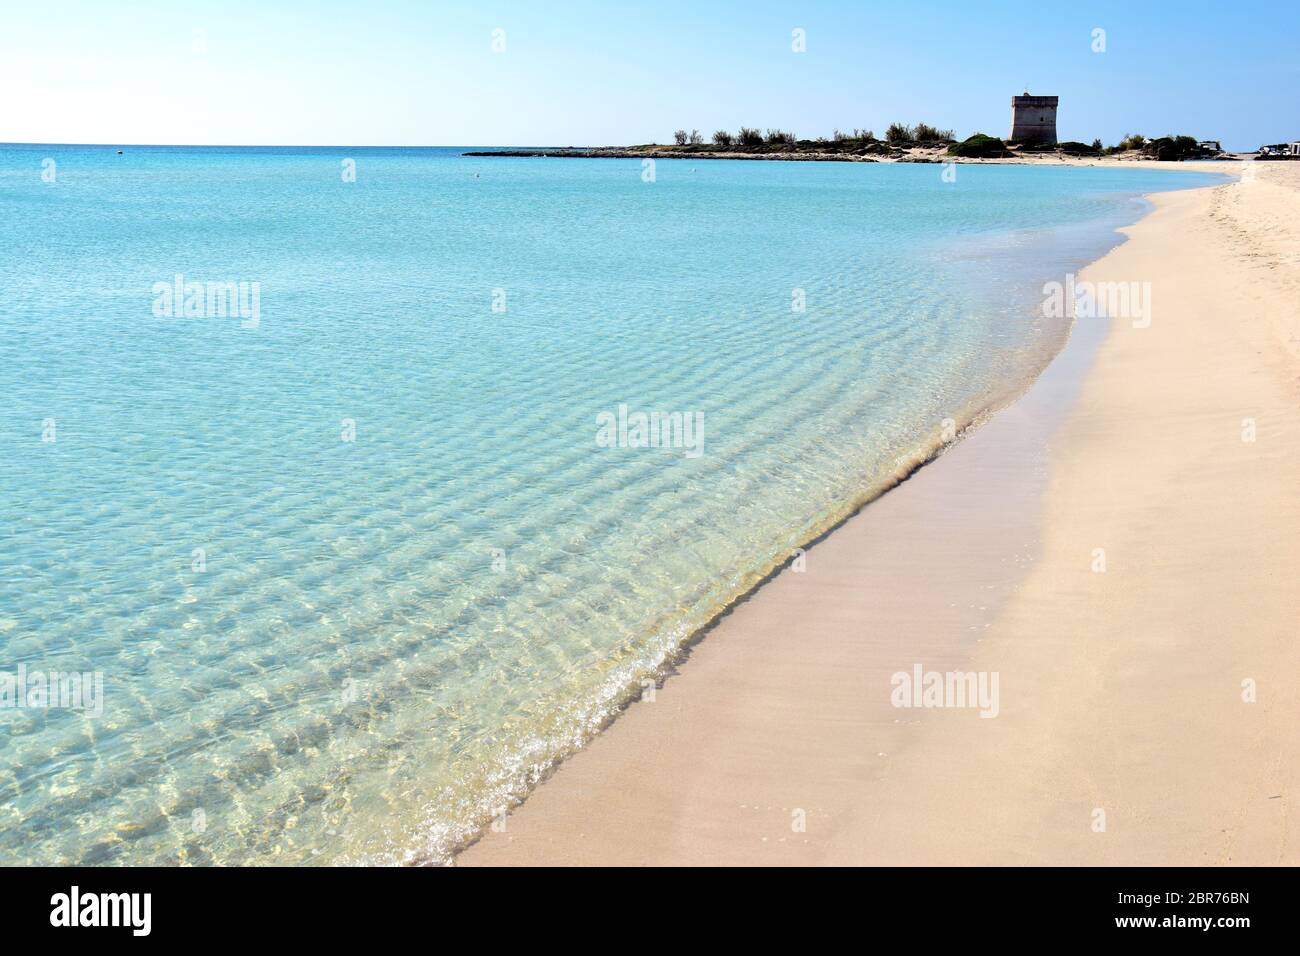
(762,722)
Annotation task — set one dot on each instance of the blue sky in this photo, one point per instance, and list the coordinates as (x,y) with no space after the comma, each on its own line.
(590,73)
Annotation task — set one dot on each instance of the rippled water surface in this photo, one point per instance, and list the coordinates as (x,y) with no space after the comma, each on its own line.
(316,649)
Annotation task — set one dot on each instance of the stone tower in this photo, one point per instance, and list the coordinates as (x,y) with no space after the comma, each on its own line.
(1033,119)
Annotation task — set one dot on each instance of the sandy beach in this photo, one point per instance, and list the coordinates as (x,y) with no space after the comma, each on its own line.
(1119,547)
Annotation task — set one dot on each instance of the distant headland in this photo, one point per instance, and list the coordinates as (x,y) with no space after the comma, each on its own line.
(1032,137)
(921,143)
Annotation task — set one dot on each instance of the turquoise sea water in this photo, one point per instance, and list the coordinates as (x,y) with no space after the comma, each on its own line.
(325,650)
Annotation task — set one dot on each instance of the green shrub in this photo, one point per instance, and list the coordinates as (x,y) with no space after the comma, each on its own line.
(979,146)
(898,133)
(748,136)
(925,133)
(1078,149)
(1173,148)
(722,138)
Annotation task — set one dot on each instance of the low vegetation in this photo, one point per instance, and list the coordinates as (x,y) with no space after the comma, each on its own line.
(1171,148)
(900,137)
(750,139)
(1072,148)
(922,134)
(1175,148)
(1131,141)
(979,146)
(859,141)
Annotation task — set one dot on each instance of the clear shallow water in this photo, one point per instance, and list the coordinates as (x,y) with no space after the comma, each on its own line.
(393,636)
